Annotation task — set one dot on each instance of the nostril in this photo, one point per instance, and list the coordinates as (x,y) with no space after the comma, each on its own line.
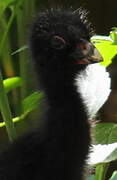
(81,46)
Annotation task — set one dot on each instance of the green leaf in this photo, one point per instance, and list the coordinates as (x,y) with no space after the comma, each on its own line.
(107,46)
(4,4)
(113,35)
(31,102)
(12,83)
(91,177)
(7,2)
(112,156)
(105,133)
(20,49)
(114,176)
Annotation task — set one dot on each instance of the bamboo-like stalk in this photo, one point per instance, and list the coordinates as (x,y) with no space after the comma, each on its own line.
(23,18)
(5,52)
(6,31)
(101,170)
(6,113)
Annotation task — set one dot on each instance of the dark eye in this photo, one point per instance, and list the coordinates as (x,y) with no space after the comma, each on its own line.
(58,42)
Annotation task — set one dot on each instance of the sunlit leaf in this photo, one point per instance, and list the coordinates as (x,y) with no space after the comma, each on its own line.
(107,46)
(12,83)
(114,176)
(113,35)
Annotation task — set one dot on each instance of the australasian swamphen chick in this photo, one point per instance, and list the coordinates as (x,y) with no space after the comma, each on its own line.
(61,48)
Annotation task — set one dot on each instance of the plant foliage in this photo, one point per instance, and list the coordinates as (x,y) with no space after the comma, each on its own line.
(18,82)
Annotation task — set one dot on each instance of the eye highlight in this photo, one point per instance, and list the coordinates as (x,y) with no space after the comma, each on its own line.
(58,42)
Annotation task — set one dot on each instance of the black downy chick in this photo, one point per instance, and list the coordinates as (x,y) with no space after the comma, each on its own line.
(61,48)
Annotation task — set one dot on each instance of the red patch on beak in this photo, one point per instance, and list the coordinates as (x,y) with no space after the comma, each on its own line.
(90,53)
(82,61)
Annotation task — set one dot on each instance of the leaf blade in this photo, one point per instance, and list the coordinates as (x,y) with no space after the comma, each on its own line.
(32,101)
(12,83)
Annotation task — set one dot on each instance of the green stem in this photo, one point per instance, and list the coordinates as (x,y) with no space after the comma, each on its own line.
(101,170)
(22,16)
(6,31)
(6,113)
(16,119)
(5,56)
